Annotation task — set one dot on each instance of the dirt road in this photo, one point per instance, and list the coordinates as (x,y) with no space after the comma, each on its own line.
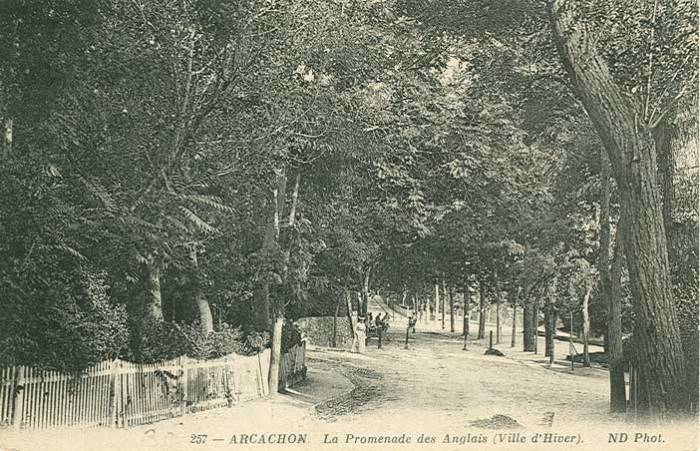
(434,394)
(436,378)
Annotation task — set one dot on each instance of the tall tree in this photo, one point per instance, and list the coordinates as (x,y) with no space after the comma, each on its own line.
(631,150)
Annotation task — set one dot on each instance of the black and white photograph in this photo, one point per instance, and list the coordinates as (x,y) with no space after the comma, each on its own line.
(329,225)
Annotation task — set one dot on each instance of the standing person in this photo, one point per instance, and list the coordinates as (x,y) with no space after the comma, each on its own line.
(385,322)
(358,343)
(379,325)
(368,329)
(385,326)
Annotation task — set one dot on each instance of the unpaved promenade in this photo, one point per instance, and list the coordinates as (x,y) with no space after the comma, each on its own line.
(432,391)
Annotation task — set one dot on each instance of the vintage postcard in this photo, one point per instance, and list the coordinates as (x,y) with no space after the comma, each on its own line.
(349,224)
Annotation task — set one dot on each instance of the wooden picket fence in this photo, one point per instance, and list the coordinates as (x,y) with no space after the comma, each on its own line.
(293,366)
(122,394)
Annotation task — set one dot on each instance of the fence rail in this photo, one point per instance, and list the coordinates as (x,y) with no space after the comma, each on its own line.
(122,394)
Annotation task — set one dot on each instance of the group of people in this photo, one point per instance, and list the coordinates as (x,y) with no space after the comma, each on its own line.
(364,325)
(380,323)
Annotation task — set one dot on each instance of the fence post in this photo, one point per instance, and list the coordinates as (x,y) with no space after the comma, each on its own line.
(183,361)
(18,391)
(262,378)
(113,415)
(229,382)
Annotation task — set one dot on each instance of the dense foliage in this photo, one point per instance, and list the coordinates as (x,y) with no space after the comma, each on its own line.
(176,171)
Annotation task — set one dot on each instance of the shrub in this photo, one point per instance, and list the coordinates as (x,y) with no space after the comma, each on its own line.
(291,336)
(167,340)
(60,326)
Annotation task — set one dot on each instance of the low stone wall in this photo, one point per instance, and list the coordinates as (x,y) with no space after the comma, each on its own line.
(318,331)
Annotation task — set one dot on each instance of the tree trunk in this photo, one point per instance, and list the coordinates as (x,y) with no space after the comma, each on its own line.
(351,319)
(277,307)
(425,305)
(7,139)
(498,319)
(205,317)
(365,291)
(155,308)
(467,309)
(482,311)
(261,306)
(550,320)
(261,293)
(554,318)
(514,318)
(295,201)
(442,304)
(334,339)
(630,146)
(586,325)
(604,241)
(577,332)
(276,355)
(434,314)
(452,310)
(535,324)
(618,397)
(571,338)
(548,341)
(528,333)
(663,141)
